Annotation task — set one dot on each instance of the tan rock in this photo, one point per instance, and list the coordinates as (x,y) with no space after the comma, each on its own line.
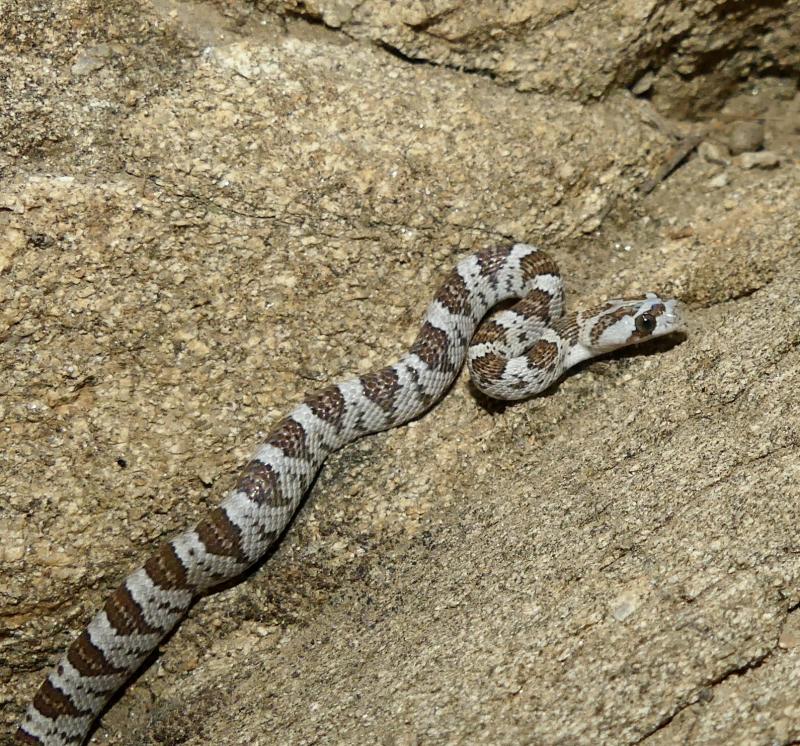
(613,562)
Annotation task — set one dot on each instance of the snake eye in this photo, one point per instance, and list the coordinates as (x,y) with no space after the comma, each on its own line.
(645,323)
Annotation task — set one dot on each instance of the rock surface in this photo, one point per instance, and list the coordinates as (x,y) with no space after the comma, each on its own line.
(207,210)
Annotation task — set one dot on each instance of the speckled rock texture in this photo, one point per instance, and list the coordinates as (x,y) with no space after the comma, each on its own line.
(208,210)
(687,56)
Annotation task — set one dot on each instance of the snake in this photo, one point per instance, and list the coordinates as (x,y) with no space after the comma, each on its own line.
(518,352)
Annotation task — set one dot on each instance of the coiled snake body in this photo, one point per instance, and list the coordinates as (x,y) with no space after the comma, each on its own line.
(518,353)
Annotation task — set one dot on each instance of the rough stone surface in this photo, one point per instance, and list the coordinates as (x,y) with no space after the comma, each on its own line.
(208,210)
(688,57)
(746,137)
(762,159)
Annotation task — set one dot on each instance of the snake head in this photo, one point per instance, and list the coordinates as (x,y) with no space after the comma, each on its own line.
(627,321)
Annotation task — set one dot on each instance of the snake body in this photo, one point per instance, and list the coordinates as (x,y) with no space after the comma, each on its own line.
(518,353)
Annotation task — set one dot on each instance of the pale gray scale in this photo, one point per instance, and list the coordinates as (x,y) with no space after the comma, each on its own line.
(510,282)
(481,349)
(294,474)
(520,371)
(362,415)
(576,353)
(44,728)
(294,483)
(314,435)
(511,388)
(521,332)
(270,455)
(513,280)
(62,731)
(551,335)
(203,569)
(474,313)
(440,317)
(555,288)
(255,522)
(502,286)
(431,382)
(461,338)
(510,320)
(521,339)
(484,293)
(457,328)
(548,283)
(453,327)
(84,699)
(438,382)
(417,392)
(462,333)
(87,691)
(471,272)
(148,595)
(410,403)
(71,727)
(519,251)
(322,435)
(121,651)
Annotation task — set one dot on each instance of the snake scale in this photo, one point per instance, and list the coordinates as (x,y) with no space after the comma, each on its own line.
(519,352)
